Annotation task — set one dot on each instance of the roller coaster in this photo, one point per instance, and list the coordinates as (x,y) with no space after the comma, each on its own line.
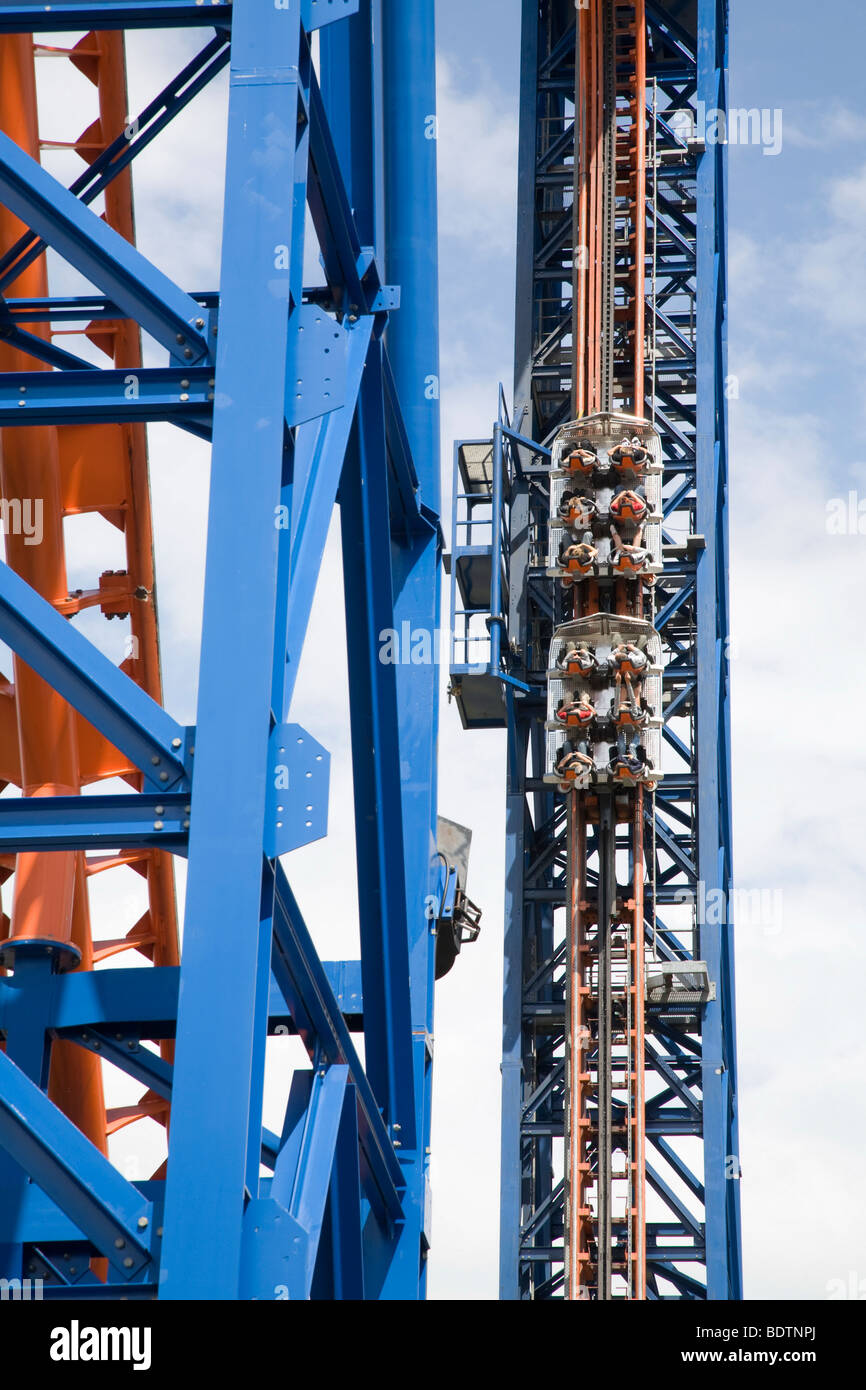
(588,620)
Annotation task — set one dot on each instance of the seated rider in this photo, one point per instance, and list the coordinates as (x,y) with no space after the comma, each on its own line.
(578,660)
(628,557)
(629,505)
(627,767)
(629,455)
(576,558)
(571,763)
(583,458)
(577,509)
(576,710)
(630,667)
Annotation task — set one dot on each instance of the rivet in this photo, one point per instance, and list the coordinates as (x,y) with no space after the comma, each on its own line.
(142,1223)
(155,760)
(158,825)
(199,323)
(184,386)
(187,352)
(119,1243)
(163,777)
(175,743)
(128,1262)
(184,395)
(159,810)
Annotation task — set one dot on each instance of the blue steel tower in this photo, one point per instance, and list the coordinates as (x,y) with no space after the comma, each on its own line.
(311,397)
(622,188)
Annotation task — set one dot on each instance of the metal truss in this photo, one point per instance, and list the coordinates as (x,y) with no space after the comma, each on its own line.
(693,1241)
(310,397)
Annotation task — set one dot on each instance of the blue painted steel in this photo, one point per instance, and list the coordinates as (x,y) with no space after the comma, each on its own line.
(123,821)
(142,129)
(102,255)
(296,811)
(103,1205)
(220,1022)
(100,397)
(718,1061)
(334,419)
(691,1073)
(113,703)
(64,15)
(409,126)
(319,1021)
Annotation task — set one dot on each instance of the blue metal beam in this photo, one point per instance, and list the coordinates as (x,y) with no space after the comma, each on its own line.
(141,130)
(73,15)
(158,820)
(222,1018)
(92,684)
(303,981)
(103,1205)
(102,255)
(181,395)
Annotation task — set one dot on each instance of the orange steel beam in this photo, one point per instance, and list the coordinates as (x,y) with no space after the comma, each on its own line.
(582,986)
(45,747)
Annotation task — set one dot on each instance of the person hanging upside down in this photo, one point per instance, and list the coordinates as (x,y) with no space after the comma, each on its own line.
(629,456)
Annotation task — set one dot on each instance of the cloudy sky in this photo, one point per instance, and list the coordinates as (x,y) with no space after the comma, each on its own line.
(798,257)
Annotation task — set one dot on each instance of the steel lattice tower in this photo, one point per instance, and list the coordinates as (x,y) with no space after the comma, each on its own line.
(660,353)
(310,396)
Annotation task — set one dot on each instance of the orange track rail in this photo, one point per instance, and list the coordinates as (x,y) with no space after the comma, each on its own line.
(629,34)
(46,748)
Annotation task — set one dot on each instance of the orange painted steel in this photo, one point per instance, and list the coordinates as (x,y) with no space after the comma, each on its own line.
(629,37)
(629,597)
(46,748)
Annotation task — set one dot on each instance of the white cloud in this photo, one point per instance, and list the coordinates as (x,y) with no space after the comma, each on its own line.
(477,163)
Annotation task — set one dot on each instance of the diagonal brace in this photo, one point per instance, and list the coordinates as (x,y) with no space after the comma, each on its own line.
(103,694)
(101,254)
